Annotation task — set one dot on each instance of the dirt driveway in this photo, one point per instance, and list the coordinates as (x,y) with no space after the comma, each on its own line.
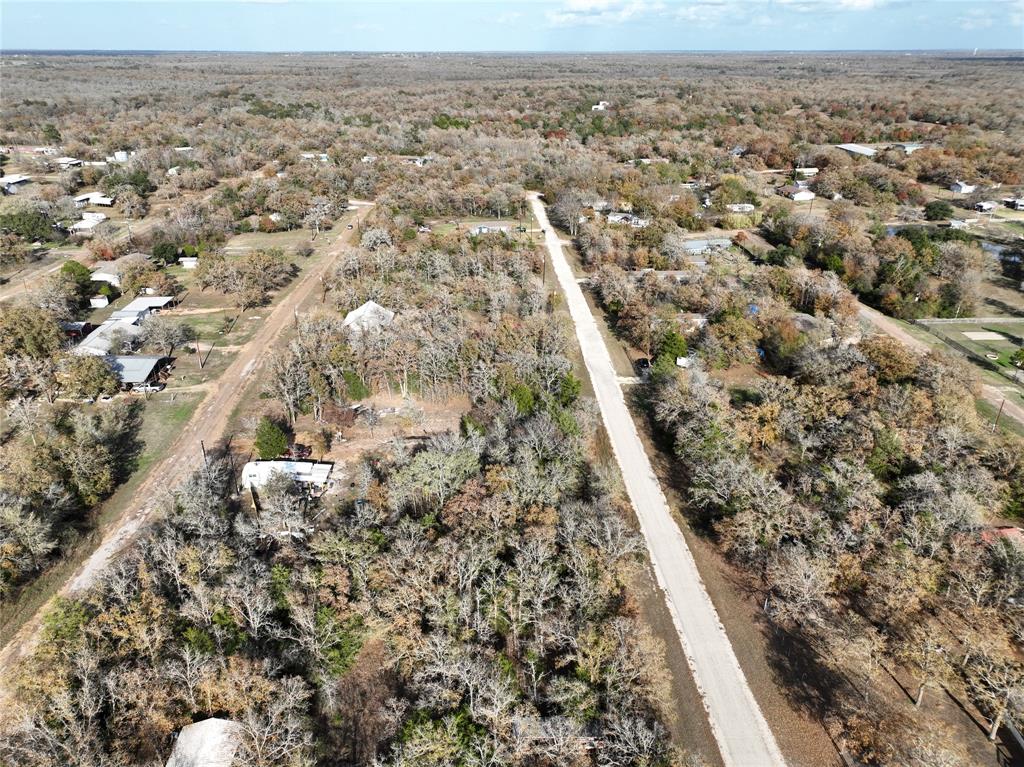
(206,426)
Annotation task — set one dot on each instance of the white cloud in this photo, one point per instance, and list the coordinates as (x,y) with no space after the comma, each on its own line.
(601,12)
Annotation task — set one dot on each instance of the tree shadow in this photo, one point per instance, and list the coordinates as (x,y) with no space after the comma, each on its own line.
(812,688)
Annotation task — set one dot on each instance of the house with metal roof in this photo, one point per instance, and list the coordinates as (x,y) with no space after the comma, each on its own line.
(707,245)
(93,198)
(134,369)
(101,341)
(141,307)
(255,474)
(857,149)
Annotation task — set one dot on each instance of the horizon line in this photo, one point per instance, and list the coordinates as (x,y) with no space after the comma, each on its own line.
(511,51)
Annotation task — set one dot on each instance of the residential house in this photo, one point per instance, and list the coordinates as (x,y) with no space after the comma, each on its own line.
(135,369)
(121,156)
(209,743)
(138,309)
(255,474)
(111,271)
(89,222)
(369,316)
(704,246)
(962,187)
(857,150)
(68,162)
(14,183)
(99,302)
(103,340)
(476,231)
(796,193)
(93,198)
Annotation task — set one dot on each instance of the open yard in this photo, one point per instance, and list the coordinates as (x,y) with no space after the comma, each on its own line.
(990,344)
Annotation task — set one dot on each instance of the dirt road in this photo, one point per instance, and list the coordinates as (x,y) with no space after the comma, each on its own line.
(993,395)
(207,424)
(743,736)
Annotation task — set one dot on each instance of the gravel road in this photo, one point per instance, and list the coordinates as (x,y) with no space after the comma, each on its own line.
(743,736)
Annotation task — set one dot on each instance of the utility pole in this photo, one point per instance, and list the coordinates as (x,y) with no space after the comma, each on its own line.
(206,461)
(995,423)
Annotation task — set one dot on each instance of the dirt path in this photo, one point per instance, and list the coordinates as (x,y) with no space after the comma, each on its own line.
(743,736)
(993,395)
(207,425)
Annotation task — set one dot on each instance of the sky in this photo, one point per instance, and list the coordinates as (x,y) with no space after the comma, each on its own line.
(511,25)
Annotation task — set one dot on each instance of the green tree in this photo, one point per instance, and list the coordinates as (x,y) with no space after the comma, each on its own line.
(80,275)
(85,375)
(271,440)
(50,133)
(29,331)
(938,210)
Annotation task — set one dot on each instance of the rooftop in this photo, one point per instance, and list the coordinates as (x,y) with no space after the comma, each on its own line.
(133,369)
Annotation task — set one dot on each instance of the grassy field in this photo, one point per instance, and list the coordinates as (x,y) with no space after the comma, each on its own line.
(995,351)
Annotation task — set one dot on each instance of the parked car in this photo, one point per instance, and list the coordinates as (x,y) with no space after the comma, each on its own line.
(146,388)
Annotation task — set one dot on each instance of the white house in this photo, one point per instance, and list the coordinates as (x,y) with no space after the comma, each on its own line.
(68,162)
(962,187)
(209,743)
(257,473)
(476,231)
(796,193)
(857,149)
(140,308)
(99,302)
(369,316)
(89,222)
(112,271)
(93,198)
(600,106)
